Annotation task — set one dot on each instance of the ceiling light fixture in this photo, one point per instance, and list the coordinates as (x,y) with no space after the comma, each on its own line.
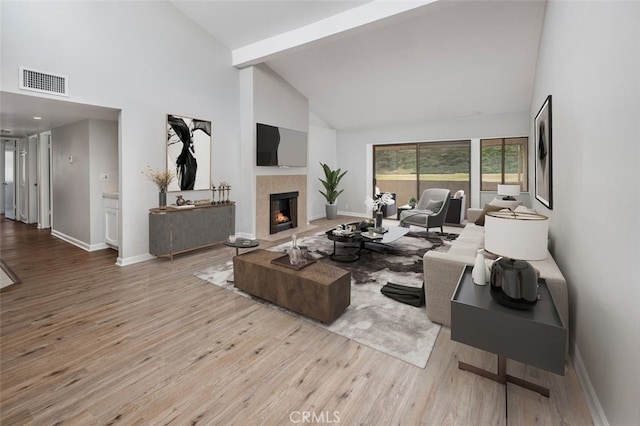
(37,118)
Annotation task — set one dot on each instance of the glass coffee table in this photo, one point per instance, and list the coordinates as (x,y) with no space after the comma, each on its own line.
(352,244)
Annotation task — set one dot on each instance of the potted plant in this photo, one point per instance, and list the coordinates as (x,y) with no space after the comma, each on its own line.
(331,192)
(413,201)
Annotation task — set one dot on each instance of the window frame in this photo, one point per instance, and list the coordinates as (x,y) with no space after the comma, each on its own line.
(416,146)
(525,178)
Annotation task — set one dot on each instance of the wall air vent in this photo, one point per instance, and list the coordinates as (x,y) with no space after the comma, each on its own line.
(43,82)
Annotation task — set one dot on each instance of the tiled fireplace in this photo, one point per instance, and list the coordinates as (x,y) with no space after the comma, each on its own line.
(266,186)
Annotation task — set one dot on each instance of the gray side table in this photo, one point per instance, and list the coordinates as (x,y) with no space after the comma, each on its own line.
(536,337)
(241,243)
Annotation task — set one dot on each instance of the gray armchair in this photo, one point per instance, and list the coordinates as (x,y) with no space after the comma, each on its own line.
(430,212)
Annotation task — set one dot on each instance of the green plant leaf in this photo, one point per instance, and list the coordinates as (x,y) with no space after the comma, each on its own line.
(330,183)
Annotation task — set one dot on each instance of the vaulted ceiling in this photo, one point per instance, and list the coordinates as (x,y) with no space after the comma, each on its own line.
(372,63)
(423,61)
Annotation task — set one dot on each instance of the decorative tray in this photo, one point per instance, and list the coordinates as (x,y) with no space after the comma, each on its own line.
(378,230)
(343,233)
(284,261)
(185,206)
(372,235)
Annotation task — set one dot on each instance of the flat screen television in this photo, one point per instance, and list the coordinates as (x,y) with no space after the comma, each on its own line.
(280,147)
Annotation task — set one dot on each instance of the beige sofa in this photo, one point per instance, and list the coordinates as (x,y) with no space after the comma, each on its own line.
(442,271)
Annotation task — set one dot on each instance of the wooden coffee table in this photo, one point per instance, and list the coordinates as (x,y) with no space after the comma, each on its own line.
(352,245)
(319,290)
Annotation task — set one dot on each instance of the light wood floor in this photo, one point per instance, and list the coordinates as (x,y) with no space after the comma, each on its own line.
(84,341)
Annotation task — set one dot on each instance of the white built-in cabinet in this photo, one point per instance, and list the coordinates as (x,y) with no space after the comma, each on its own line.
(111,231)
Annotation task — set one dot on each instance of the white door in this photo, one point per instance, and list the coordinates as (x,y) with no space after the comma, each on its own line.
(23,182)
(9,184)
(32,179)
(44,179)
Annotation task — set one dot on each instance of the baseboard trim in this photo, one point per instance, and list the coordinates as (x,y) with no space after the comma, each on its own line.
(125,261)
(81,244)
(344,213)
(597,413)
(96,247)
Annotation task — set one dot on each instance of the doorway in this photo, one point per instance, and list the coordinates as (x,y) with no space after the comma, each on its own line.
(44,180)
(8,179)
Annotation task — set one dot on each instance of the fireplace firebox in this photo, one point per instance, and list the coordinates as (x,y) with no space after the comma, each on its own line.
(283,211)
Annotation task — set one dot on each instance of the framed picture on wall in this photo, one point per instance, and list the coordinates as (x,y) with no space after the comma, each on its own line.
(543,139)
(189,153)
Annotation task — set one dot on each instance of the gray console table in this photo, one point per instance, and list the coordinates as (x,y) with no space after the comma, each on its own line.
(173,231)
(536,337)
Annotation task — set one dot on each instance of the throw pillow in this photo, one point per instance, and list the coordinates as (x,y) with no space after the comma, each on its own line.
(487,208)
(434,206)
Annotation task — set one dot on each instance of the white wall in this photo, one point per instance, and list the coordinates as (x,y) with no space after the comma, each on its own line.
(103,158)
(146,59)
(589,62)
(352,145)
(2,177)
(322,149)
(44,180)
(78,214)
(277,103)
(32,179)
(266,98)
(245,217)
(70,181)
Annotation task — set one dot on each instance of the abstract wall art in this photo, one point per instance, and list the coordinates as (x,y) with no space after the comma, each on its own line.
(189,153)
(542,150)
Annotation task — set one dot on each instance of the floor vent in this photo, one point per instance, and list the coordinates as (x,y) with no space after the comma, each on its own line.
(39,81)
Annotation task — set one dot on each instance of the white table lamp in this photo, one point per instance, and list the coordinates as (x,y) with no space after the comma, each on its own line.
(517,237)
(508,192)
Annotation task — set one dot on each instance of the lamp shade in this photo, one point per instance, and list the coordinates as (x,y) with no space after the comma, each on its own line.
(516,235)
(508,190)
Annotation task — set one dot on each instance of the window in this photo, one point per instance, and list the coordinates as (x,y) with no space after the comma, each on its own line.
(444,165)
(409,169)
(503,160)
(394,170)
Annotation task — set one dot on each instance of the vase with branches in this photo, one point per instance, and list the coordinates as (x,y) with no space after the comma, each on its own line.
(162,179)
(376,205)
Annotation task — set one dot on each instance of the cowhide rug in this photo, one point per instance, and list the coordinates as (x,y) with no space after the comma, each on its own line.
(372,319)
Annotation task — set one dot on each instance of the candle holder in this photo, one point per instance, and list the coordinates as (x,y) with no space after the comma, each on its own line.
(228,192)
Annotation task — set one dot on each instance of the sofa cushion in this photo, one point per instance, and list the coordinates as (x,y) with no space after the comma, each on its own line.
(487,208)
